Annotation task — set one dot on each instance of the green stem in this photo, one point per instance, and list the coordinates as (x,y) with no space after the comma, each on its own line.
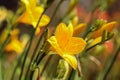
(35,51)
(111,64)
(93,46)
(27,51)
(86,34)
(45,66)
(72,73)
(1,76)
(4,44)
(18,63)
(40,58)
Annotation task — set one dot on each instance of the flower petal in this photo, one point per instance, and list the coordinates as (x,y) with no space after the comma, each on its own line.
(75,45)
(108,26)
(29,3)
(15,45)
(55,45)
(79,29)
(33,3)
(26,2)
(32,18)
(44,21)
(63,34)
(96,41)
(71,60)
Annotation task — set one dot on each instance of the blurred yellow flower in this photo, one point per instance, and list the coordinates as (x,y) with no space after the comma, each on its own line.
(15,44)
(65,45)
(107,26)
(78,28)
(32,14)
(75,21)
(3,13)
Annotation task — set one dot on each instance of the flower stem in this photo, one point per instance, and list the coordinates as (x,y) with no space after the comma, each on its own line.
(4,44)
(18,63)
(45,66)
(72,73)
(27,51)
(110,65)
(35,51)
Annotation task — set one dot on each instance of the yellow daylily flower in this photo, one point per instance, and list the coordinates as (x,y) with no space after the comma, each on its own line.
(15,44)
(32,14)
(79,28)
(66,45)
(108,26)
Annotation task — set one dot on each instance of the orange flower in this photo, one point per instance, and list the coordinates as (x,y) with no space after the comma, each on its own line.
(79,28)
(65,45)
(107,26)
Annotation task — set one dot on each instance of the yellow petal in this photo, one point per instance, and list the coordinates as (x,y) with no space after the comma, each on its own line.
(26,2)
(109,26)
(15,45)
(75,21)
(71,60)
(37,31)
(78,29)
(44,21)
(25,18)
(14,34)
(32,18)
(75,45)
(33,3)
(96,41)
(63,34)
(29,3)
(55,45)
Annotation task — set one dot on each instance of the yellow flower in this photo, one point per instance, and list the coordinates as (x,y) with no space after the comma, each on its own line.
(79,28)
(15,44)
(32,14)
(108,26)
(65,45)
